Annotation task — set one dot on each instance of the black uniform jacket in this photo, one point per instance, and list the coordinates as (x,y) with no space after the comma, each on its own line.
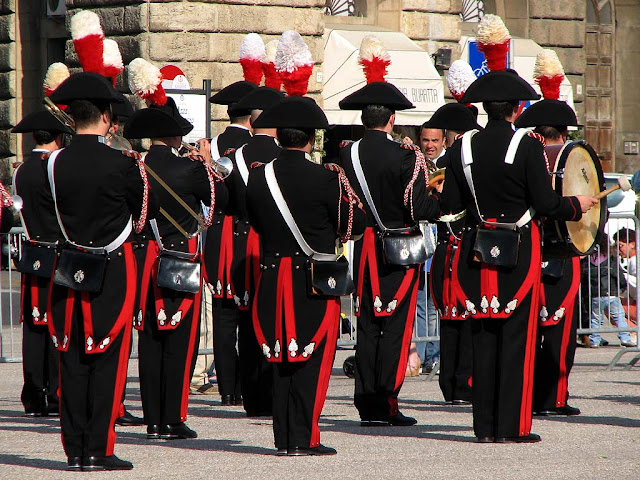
(39,217)
(218,252)
(98,190)
(389,168)
(188,178)
(504,192)
(245,268)
(289,322)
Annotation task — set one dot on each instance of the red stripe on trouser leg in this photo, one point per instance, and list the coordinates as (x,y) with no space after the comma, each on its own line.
(368,255)
(22,287)
(255,318)
(563,377)
(35,301)
(331,319)
(147,269)
(406,341)
(226,256)
(289,311)
(195,323)
(530,349)
(121,380)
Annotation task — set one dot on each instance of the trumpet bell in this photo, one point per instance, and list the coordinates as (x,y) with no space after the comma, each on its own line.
(17,202)
(223,166)
(118,142)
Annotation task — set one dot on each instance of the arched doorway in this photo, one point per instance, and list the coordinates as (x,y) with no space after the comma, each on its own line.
(599,92)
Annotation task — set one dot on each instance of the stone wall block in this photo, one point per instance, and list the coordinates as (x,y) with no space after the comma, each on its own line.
(133,19)
(557,32)
(282,3)
(131,47)
(7,144)
(270,20)
(433,6)
(7,6)
(104,3)
(423,26)
(8,84)
(554,9)
(572,59)
(7,113)
(179,46)
(7,57)
(7,28)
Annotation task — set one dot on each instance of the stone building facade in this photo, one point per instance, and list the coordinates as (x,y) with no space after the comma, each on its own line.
(597,42)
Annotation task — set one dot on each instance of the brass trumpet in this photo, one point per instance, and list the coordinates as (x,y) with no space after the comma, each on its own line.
(223,165)
(62,116)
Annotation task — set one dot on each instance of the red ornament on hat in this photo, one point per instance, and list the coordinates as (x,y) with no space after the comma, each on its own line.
(252,51)
(271,76)
(493,40)
(145,80)
(112,59)
(294,63)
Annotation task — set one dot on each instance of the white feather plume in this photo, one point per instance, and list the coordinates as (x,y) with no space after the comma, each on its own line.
(144,77)
(111,55)
(292,52)
(371,46)
(56,74)
(459,77)
(547,64)
(85,23)
(270,50)
(252,47)
(492,30)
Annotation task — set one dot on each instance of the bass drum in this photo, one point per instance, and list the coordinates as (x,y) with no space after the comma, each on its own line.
(577,172)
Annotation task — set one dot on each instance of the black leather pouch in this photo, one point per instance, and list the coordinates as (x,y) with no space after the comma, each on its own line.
(553,268)
(497,246)
(179,271)
(38,259)
(81,270)
(330,278)
(404,246)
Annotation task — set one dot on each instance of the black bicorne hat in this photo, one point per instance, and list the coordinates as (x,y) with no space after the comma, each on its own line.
(453,116)
(124,109)
(41,120)
(158,122)
(259,99)
(376,93)
(233,93)
(293,112)
(85,86)
(549,113)
(499,86)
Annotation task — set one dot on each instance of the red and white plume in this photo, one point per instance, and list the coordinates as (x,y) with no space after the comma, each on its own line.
(251,53)
(88,37)
(294,63)
(493,40)
(271,77)
(548,74)
(459,77)
(112,59)
(145,80)
(374,59)
(56,74)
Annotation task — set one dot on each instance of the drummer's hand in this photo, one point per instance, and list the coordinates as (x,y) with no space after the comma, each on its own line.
(439,186)
(204,146)
(586,202)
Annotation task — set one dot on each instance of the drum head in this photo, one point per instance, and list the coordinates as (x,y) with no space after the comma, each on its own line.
(583,176)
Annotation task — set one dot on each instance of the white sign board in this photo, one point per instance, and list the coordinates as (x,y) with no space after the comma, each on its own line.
(194,107)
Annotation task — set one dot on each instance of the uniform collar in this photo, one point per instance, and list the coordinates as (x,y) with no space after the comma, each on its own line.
(235,125)
(296,155)
(377,133)
(40,150)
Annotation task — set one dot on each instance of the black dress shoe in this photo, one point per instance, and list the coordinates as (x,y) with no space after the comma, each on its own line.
(226,400)
(281,452)
(531,438)
(153,432)
(567,410)
(306,451)
(374,423)
(74,464)
(256,414)
(129,420)
(400,420)
(485,439)
(237,400)
(105,463)
(461,402)
(176,431)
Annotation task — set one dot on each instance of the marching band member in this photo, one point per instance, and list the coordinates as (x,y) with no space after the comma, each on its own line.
(501,187)
(385,297)
(556,344)
(96,191)
(39,357)
(298,330)
(168,341)
(255,372)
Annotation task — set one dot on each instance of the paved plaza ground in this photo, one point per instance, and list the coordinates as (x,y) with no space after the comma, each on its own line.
(603,442)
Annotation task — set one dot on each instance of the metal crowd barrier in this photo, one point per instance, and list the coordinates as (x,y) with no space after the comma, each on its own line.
(10,328)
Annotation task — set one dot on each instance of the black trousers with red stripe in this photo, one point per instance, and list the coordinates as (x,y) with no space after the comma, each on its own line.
(503,357)
(456,359)
(555,352)
(40,369)
(166,362)
(91,388)
(381,355)
(299,393)
(225,337)
(256,373)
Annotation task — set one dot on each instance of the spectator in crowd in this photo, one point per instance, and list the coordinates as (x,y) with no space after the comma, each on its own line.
(602,280)
(626,242)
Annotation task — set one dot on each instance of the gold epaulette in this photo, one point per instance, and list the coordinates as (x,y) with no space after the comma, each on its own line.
(345,143)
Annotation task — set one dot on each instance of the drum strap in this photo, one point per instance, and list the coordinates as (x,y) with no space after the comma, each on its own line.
(467,160)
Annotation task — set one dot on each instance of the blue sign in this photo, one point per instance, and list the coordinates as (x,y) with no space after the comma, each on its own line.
(478,62)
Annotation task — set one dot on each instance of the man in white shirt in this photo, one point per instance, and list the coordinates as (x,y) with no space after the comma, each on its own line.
(626,242)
